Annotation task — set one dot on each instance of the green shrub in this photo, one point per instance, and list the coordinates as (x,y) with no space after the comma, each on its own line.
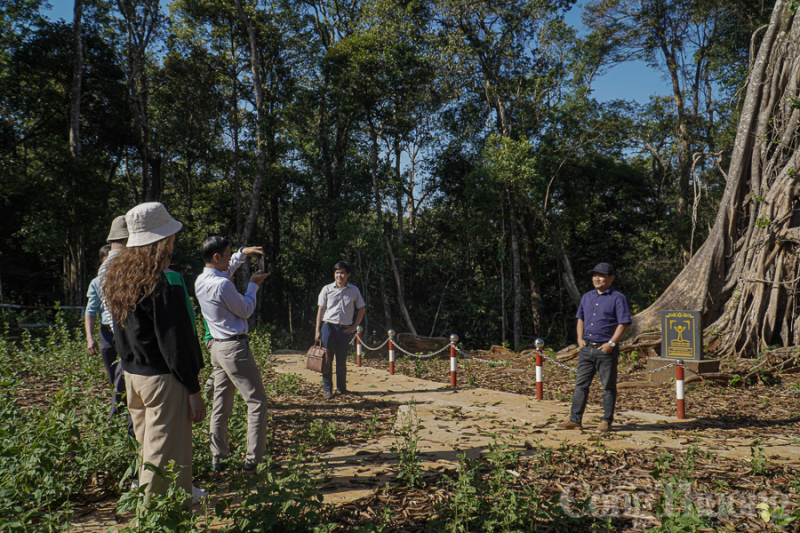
(286,501)
(322,432)
(160,512)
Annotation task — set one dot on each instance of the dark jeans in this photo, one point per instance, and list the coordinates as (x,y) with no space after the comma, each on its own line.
(336,341)
(593,361)
(115,375)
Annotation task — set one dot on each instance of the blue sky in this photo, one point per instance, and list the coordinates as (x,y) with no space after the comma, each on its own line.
(633,80)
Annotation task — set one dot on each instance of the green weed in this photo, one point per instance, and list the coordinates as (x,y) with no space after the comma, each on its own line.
(373,426)
(286,501)
(405,446)
(759,463)
(322,432)
(288,384)
(160,512)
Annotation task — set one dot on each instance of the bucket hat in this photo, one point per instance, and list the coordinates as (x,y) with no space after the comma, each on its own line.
(600,268)
(148,223)
(119,230)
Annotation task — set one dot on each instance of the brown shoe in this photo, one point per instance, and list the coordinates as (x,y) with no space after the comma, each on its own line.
(569,424)
(604,427)
(327,395)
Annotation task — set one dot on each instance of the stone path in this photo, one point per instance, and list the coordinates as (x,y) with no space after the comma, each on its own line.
(464,420)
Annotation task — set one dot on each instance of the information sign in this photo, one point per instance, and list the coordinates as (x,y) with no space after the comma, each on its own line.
(681,335)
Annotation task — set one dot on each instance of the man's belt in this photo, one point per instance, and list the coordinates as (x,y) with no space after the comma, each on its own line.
(596,344)
(339,325)
(240,336)
(106,326)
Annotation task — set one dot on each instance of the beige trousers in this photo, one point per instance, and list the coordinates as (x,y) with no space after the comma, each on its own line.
(159,410)
(234,368)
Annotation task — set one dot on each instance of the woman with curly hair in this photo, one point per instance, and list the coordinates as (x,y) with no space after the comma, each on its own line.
(157,343)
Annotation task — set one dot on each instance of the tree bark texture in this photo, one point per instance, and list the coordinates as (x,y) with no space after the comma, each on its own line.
(252,217)
(261,159)
(515,270)
(77,76)
(744,278)
(74,256)
(526,224)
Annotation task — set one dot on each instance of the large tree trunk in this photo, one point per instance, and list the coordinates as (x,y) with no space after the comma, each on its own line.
(743,278)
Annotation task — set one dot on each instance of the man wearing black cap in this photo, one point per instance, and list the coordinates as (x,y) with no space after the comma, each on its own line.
(603,316)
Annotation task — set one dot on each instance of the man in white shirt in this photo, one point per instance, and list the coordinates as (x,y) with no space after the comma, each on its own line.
(337,304)
(226,311)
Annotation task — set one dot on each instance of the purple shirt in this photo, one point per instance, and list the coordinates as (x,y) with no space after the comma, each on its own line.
(602,313)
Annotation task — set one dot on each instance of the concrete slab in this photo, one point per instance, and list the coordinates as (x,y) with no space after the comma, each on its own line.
(705,366)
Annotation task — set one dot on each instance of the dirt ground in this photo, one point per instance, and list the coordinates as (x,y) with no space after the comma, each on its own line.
(726,430)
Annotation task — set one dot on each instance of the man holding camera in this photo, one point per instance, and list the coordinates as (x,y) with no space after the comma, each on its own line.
(226,312)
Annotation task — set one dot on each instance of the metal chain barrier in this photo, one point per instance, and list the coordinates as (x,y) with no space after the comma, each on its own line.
(662,368)
(562,365)
(419,356)
(688,369)
(469,356)
(364,345)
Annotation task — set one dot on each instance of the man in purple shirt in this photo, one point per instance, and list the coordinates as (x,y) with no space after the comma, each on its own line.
(603,316)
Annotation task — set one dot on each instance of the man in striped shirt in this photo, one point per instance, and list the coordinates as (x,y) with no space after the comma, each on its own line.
(337,305)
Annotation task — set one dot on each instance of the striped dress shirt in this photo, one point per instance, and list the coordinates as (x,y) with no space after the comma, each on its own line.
(340,304)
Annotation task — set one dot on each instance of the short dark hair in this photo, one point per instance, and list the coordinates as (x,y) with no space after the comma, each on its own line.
(214,245)
(104,251)
(343,265)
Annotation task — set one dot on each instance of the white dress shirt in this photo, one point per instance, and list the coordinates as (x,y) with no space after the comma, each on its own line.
(225,309)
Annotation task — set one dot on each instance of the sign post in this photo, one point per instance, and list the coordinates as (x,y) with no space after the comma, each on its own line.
(681,340)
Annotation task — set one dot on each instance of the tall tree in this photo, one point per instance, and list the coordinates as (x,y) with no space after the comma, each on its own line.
(685,39)
(143,21)
(743,279)
(77,75)
(502,49)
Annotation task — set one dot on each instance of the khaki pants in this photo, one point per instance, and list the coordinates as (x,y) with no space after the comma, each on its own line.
(159,409)
(235,368)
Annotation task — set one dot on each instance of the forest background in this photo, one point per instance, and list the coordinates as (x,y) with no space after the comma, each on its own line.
(452,150)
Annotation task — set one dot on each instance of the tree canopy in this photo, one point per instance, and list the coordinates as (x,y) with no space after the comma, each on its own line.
(451,150)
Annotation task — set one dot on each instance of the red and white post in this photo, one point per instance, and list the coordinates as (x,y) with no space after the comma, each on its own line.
(359,331)
(374,337)
(679,389)
(391,352)
(539,343)
(453,375)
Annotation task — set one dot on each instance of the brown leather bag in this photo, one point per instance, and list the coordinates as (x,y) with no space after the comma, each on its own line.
(318,359)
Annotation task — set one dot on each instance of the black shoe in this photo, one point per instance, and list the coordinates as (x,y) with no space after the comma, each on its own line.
(250,468)
(218,464)
(327,395)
